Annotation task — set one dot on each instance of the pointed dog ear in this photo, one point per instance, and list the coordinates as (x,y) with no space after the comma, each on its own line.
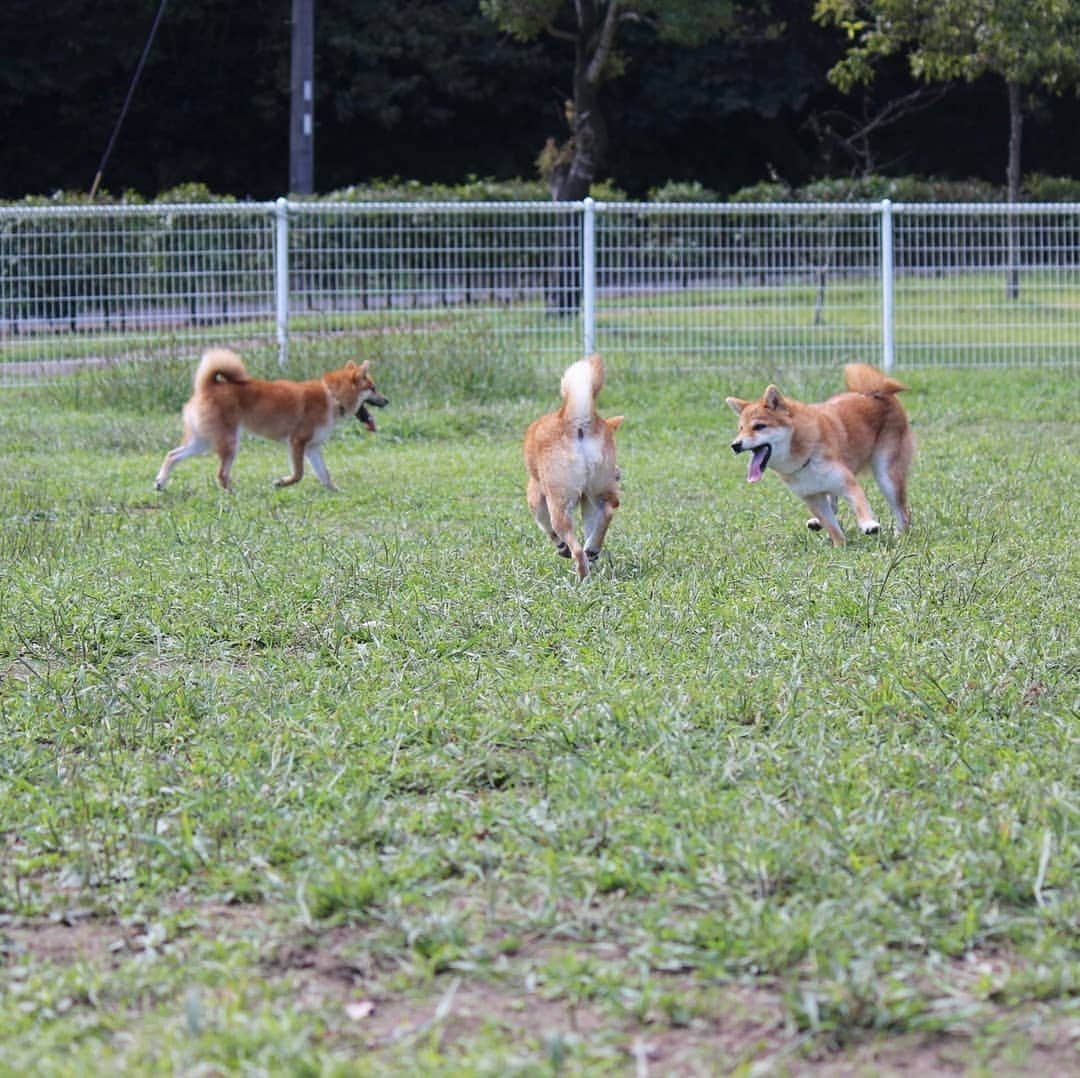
(773,400)
(615,422)
(736,405)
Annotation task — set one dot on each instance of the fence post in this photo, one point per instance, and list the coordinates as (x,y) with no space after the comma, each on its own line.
(588,276)
(888,342)
(281,277)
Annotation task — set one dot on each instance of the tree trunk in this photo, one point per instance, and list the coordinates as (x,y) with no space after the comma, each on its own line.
(572,177)
(588,133)
(1012,185)
(571,182)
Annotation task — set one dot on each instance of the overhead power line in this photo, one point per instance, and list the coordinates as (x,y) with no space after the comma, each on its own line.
(127,100)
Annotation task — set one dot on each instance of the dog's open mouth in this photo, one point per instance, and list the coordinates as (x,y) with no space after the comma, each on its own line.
(365,416)
(759,457)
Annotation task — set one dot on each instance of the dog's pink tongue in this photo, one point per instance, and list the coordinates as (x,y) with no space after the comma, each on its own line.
(757,465)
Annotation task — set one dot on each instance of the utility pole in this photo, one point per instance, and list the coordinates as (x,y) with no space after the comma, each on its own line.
(302,90)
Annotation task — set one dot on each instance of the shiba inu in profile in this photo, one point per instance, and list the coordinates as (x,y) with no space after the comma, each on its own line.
(227,400)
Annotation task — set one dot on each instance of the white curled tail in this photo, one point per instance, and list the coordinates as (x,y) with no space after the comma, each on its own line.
(580,385)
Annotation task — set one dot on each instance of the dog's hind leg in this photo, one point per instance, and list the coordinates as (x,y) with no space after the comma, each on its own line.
(226,451)
(892,481)
(318,466)
(193,446)
(562,524)
(538,506)
(296,454)
(596,516)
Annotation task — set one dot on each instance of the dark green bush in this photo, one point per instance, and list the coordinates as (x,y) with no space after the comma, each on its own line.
(1036,188)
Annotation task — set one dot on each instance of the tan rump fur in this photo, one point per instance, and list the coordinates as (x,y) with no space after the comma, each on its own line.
(819,449)
(227,400)
(570,461)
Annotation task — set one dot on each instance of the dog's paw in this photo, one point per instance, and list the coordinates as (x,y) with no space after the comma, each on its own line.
(871,527)
(592,555)
(158,485)
(562,550)
(814,524)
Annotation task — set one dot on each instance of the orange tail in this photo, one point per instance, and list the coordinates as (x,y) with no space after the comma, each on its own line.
(862,378)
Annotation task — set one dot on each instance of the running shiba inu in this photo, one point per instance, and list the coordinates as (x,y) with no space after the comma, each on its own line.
(303,414)
(570,458)
(818,449)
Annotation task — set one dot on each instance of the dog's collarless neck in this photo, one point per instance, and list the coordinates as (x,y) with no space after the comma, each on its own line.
(337,403)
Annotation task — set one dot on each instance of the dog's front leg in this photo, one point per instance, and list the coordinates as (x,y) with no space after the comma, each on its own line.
(813,523)
(821,505)
(854,496)
(314,454)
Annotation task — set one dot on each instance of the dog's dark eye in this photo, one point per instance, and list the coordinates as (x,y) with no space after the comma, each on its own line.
(758,426)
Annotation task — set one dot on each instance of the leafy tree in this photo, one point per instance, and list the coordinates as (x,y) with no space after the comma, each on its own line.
(1027,43)
(592,28)
(417,88)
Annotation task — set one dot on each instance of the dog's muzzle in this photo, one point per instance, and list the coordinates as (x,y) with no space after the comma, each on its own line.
(738,447)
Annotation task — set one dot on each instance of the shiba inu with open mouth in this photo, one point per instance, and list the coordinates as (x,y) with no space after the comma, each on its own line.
(227,400)
(818,449)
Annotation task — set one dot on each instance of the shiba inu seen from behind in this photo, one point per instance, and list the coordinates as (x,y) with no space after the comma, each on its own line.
(818,449)
(570,460)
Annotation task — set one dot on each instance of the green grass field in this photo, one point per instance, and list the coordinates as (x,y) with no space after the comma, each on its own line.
(294,782)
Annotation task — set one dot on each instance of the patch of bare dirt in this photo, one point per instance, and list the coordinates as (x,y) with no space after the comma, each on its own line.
(78,935)
(720,1027)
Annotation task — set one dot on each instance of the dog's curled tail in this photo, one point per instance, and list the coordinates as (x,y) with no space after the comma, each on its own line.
(219,365)
(862,378)
(580,384)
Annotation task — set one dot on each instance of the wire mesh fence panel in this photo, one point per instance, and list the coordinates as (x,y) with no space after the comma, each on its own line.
(90,287)
(987,284)
(534,283)
(502,275)
(728,284)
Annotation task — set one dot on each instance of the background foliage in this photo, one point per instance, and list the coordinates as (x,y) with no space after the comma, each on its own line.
(433,91)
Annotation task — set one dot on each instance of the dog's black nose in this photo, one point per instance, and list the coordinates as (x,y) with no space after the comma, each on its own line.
(736,447)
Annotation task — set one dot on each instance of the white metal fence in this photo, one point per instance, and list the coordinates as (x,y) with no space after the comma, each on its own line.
(677,285)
